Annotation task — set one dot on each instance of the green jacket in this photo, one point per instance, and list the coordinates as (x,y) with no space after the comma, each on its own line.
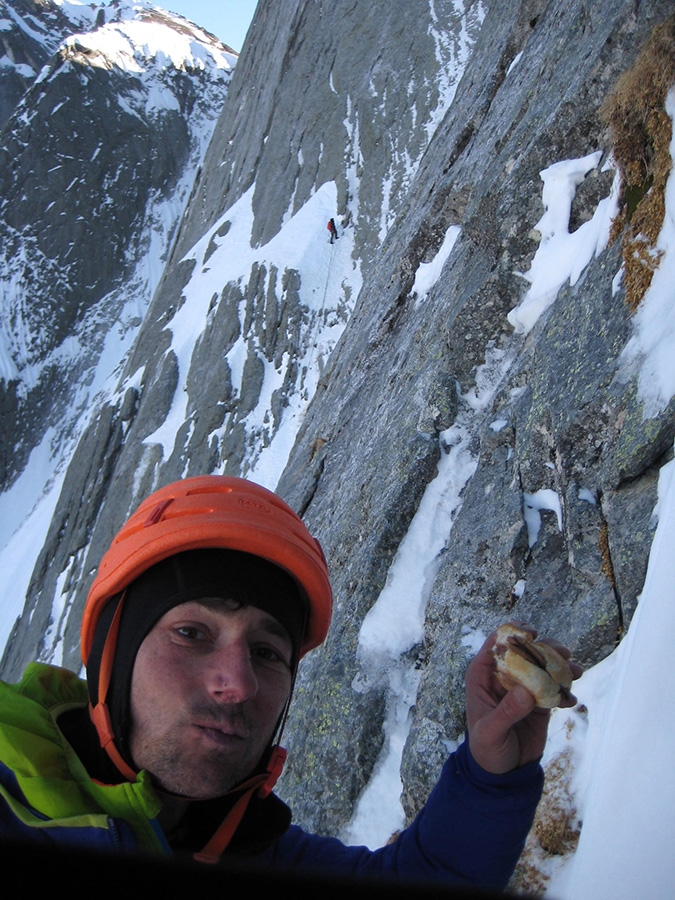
(44,785)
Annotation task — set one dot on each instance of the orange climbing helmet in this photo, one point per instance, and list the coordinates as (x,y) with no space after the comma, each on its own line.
(210,512)
(213,512)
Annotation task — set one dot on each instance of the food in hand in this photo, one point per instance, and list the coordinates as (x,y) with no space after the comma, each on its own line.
(535,665)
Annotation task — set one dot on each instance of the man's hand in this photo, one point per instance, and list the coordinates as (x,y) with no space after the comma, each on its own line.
(506,728)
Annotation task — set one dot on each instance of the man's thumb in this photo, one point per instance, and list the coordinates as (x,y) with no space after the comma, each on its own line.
(517,704)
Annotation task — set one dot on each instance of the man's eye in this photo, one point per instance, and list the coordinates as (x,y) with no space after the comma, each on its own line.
(269,654)
(190,632)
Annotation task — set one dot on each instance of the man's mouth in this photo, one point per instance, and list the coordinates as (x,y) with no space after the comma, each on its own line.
(222,732)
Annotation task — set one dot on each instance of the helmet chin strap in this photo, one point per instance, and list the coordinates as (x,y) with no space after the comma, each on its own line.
(262,782)
(100,714)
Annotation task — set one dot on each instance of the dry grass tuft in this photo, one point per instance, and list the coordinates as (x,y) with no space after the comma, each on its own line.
(556,825)
(641,131)
(555,832)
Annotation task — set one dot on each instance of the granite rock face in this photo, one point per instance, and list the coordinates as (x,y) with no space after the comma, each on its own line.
(542,411)
(412,129)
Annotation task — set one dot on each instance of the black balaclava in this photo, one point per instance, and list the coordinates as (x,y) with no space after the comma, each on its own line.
(194,574)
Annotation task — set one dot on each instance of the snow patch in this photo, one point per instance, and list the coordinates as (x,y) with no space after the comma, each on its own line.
(427,274)
(561,257)
(533,504)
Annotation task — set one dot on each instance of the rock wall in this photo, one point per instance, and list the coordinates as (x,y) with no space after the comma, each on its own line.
(415,380)
(433,399)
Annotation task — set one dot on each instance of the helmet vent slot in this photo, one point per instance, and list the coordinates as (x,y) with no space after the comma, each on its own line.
(209,489)
(157,513)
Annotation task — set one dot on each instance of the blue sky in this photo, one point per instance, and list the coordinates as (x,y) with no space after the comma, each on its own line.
(227,19)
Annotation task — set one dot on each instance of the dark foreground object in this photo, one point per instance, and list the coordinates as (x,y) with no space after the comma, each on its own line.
(33,868)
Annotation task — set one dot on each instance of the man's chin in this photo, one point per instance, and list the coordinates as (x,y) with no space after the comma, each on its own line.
(203,787)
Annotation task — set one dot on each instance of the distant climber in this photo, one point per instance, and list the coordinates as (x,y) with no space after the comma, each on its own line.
(333,230)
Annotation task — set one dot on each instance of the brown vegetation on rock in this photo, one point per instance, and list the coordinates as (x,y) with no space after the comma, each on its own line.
(641,132)
(556,828)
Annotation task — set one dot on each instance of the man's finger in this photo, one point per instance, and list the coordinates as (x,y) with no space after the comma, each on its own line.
(514,706)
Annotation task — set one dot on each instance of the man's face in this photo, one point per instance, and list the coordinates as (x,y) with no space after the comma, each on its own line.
(208,687)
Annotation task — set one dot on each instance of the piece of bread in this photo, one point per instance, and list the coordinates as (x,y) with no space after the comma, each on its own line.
(537,666)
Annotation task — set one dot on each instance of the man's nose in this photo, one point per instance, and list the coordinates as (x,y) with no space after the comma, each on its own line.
(231,678)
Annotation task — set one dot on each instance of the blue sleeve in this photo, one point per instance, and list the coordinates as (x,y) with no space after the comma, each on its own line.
(471,831)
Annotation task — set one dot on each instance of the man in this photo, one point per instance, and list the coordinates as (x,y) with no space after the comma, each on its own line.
(191,635)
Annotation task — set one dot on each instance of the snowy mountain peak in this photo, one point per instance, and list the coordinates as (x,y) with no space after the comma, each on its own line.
(130,35)
(133,36)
